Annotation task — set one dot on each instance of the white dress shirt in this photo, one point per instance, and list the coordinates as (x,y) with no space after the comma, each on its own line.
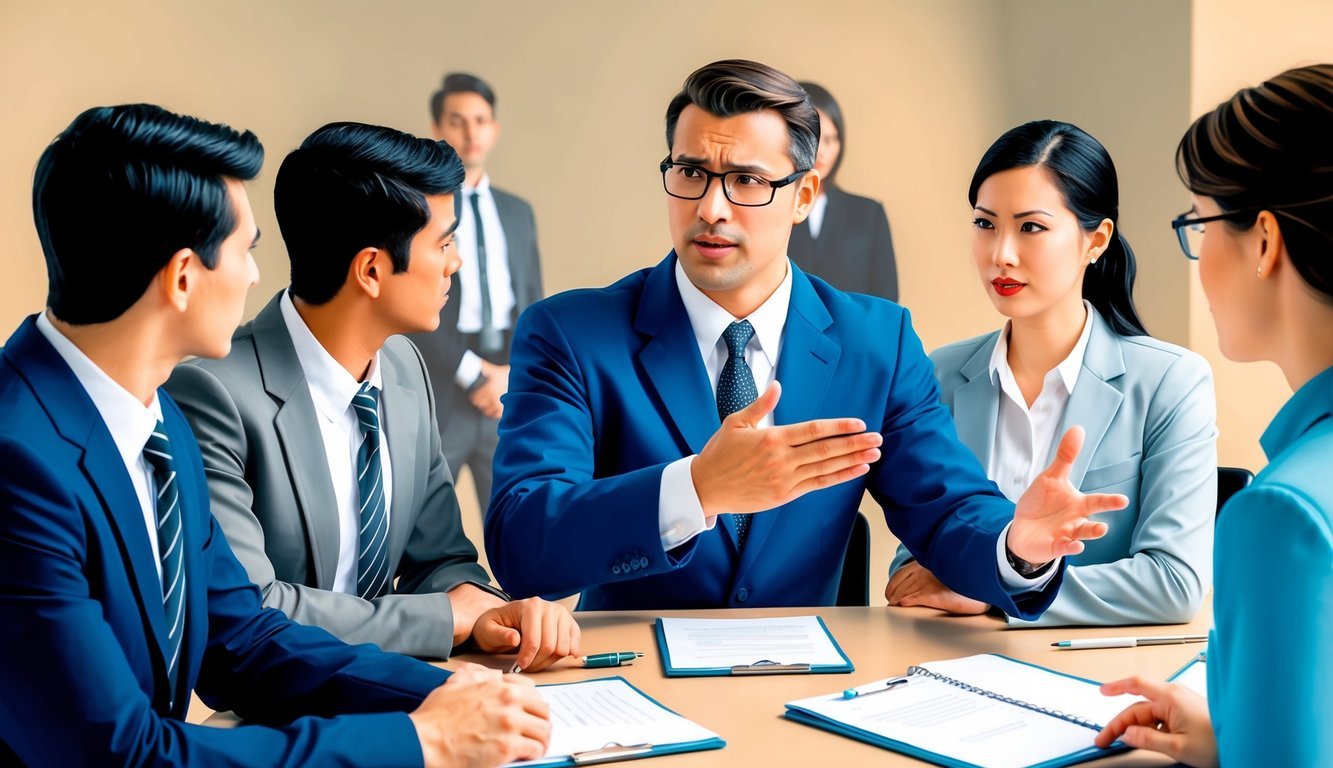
(680,514)
(816,217)
(128,420)
(469,276)
(332,389)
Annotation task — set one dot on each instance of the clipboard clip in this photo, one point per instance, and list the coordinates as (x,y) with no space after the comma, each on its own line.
(612,751)
(770,667)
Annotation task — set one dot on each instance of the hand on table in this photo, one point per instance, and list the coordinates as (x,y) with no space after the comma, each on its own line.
(1174,721)
(543,632)
(480,719)
(913,585)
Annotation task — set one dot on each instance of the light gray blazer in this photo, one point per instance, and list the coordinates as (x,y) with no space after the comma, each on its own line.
(1150,412)
(269,483)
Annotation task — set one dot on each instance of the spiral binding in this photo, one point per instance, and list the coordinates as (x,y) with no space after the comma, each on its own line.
(1076,720)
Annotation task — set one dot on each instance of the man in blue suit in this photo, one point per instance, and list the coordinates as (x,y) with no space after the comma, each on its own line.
(638,462)
(118,592)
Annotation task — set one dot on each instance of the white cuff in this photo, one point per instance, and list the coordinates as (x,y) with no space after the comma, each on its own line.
(1013,582)
(469,368)
(680,515)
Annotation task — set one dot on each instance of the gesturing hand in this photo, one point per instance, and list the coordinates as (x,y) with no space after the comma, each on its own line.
(1051,519)
(748,468)
(1174,721)
(543,632)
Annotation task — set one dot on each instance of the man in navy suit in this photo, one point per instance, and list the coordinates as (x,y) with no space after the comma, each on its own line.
(638,461)
(118,592)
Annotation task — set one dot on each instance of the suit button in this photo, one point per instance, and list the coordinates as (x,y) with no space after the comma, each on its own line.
(615,569)
(624,567)
(743,595)
(643,562)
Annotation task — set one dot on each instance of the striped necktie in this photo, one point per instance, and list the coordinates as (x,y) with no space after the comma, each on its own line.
(735,390)
(372,562)
(170,547)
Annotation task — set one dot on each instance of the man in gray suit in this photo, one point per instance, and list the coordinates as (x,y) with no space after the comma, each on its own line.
(468,355)
(318,429)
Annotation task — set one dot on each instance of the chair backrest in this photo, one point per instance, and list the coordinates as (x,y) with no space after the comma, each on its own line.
(854,587)
(1229,481)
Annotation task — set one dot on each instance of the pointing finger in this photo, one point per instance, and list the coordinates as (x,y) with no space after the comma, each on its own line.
(1067,453)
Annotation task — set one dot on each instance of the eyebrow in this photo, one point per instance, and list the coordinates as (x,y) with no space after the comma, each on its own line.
(758,170)
(1016,215)
(255,242)
(449,231)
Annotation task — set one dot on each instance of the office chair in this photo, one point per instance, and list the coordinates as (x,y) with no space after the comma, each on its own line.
(1229,481)
(854,586)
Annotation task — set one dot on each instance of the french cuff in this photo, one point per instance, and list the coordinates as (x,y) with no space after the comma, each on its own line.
(1014,582)
(469,368)
(680,515)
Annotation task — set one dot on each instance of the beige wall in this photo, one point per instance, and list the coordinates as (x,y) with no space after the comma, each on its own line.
(1238,44)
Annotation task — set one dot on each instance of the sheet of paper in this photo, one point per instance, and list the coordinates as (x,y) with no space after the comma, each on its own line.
(711,643)
(590,715)
(1195,678)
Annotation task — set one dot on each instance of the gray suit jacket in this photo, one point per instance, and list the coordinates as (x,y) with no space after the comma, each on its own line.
(1149,412)
(443,348)
(271,491)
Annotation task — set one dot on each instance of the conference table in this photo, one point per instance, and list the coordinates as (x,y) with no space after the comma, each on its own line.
(881,642)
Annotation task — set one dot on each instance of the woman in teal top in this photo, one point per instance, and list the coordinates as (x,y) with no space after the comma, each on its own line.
(1260,168)
(1051,257)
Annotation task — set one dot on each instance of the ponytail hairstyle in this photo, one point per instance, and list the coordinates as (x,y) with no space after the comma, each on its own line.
(1270,148)
(1086,177)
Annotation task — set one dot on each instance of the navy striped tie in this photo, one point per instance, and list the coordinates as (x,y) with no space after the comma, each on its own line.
(170,547)
(735,390)
(372,562)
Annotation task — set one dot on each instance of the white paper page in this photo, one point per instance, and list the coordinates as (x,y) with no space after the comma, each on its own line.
(590,715)
(947,720)
(1195,678)
(1034,686)
(708,643)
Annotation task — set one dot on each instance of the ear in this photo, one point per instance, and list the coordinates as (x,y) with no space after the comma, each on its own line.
(1272,249)
(370,267)
(807,191)
(179,278)
(1099,239)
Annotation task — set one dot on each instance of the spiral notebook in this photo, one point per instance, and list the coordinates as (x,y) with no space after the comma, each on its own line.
(985,711)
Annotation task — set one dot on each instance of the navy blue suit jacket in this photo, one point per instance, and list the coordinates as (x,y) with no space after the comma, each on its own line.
(82,672)
(607,388)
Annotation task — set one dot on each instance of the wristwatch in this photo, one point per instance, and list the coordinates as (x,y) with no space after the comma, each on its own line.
(477,383)
(1024,568)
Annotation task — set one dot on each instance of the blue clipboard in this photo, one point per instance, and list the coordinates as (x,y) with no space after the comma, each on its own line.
(618,752)
(758,666)
(799,715)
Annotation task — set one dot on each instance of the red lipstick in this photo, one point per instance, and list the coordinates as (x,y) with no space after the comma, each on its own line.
(1006,286)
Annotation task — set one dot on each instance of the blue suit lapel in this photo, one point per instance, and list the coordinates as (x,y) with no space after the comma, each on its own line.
(78,422)
(805,369)
(671,359)
(1095,402)
(977,403)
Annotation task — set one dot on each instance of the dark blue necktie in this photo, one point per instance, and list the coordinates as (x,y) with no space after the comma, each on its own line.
(489,338)
(372,561)
(170,547)
(736,389)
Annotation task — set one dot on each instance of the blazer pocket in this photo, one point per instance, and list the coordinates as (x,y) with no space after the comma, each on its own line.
(1112,474)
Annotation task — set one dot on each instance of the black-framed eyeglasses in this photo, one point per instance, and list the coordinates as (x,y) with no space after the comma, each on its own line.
(1189,231)
(744,188)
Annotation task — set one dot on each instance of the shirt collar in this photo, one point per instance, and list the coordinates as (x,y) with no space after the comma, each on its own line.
(483,187)
(331,386)
(128,420)
(1068,369)
(709,319)
(1311,404)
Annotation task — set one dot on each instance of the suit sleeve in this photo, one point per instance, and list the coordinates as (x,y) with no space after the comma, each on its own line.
(936,497)
(883,264)
(72,697)
(1169,569)
(553,525)
(418,624)
(1269,670)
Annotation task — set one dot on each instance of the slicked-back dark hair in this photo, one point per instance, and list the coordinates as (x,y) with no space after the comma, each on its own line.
(1087,181)
(120,191)
(736,87)
(1271,148)
(824,102)
(351,186)
(459,82)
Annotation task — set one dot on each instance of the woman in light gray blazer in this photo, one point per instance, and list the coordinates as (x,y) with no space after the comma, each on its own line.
(1074,352)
